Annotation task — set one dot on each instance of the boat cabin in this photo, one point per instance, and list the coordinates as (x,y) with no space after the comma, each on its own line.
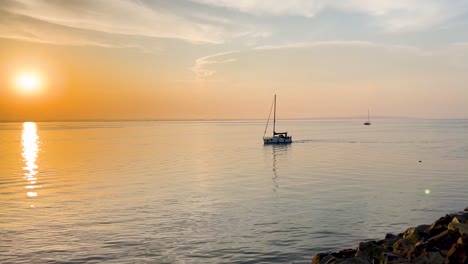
(281,134)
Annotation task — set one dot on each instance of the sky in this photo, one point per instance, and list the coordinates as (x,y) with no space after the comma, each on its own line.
(225,59)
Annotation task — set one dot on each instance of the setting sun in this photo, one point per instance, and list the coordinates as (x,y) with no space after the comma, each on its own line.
(28,82)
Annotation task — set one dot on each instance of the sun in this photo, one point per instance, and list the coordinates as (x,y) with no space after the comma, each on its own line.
(28,82)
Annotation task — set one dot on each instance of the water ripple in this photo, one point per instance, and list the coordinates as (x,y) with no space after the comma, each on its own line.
(144,192)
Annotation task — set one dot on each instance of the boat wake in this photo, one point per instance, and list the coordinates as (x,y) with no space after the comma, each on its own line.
(356,142)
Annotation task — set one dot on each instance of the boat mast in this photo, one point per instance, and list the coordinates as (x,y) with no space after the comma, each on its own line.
(268,120)
(368,115)
(274,118)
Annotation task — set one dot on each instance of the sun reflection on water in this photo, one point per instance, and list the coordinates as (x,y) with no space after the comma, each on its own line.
(29,141)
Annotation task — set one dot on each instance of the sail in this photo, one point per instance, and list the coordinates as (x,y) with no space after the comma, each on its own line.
(269,115)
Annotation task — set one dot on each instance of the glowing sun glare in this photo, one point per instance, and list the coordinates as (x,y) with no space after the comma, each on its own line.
(28,82)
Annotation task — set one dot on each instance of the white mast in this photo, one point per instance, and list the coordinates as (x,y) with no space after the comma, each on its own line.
(274,118)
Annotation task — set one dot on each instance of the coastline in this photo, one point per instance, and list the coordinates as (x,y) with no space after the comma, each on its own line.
(443,241)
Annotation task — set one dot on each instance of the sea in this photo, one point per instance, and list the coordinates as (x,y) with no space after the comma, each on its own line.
(211,192)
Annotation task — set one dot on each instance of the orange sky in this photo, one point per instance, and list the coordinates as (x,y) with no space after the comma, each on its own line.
(226,61)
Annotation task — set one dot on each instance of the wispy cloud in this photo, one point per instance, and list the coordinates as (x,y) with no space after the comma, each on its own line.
(274,7)
(131,18)
(461,44)
(200,69)
(29,30)
(147,24)
(316,44)
(396,15)
(352,43)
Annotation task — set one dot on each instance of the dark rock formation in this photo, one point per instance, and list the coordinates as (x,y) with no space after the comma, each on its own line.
(444,241)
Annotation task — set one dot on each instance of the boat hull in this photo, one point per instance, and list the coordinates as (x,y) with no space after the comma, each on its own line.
(277,140)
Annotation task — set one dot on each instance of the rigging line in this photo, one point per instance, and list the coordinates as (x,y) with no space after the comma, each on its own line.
(269,115)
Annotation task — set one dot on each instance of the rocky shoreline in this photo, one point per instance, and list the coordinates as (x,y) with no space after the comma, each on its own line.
(444,241)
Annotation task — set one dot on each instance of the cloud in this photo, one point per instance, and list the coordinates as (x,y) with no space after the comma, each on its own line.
(144,24)
(203,67)
(395,15)
(30,30)
(119,17)
(352,43)
(316,44)
(202,73)
(278,7)
(460,44)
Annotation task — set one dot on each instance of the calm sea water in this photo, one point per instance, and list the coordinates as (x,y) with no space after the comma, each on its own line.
(211,192)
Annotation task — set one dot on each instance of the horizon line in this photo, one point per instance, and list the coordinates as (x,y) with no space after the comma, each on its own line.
(221,119)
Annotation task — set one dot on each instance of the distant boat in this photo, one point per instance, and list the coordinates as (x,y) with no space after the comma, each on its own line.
(278,137)
(368,123)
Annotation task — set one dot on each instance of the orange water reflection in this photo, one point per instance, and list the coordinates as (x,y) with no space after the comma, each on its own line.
(30,143)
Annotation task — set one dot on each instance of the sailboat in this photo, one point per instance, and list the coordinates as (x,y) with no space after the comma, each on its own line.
(368,118)
(277,137)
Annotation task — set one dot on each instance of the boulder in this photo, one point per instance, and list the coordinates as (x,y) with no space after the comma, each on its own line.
(322,258)
(325,258)
(463,241)
(416,234)
(390,258)
(417,250)
(460,218)
(398,261)
(430,258)
(370,250)
(439,226)
(443,241)
(403,247)
(345,253)
(458,254)
(354,260)
(389,241)
(461,228)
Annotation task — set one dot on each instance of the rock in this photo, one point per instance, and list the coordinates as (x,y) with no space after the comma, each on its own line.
(463,240)
(439,226)
(416,234)
(443,241)
(322,258)
(391,236)
(444,220)
(460,218)
(430,258)
(403,247)
(463,231)
(461,228)
(370,250)
(325,258)
(346,253)
(458,254)
(444,252)
(417,250)
(398,261)
(389,241)
(354,260)
(388,258)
